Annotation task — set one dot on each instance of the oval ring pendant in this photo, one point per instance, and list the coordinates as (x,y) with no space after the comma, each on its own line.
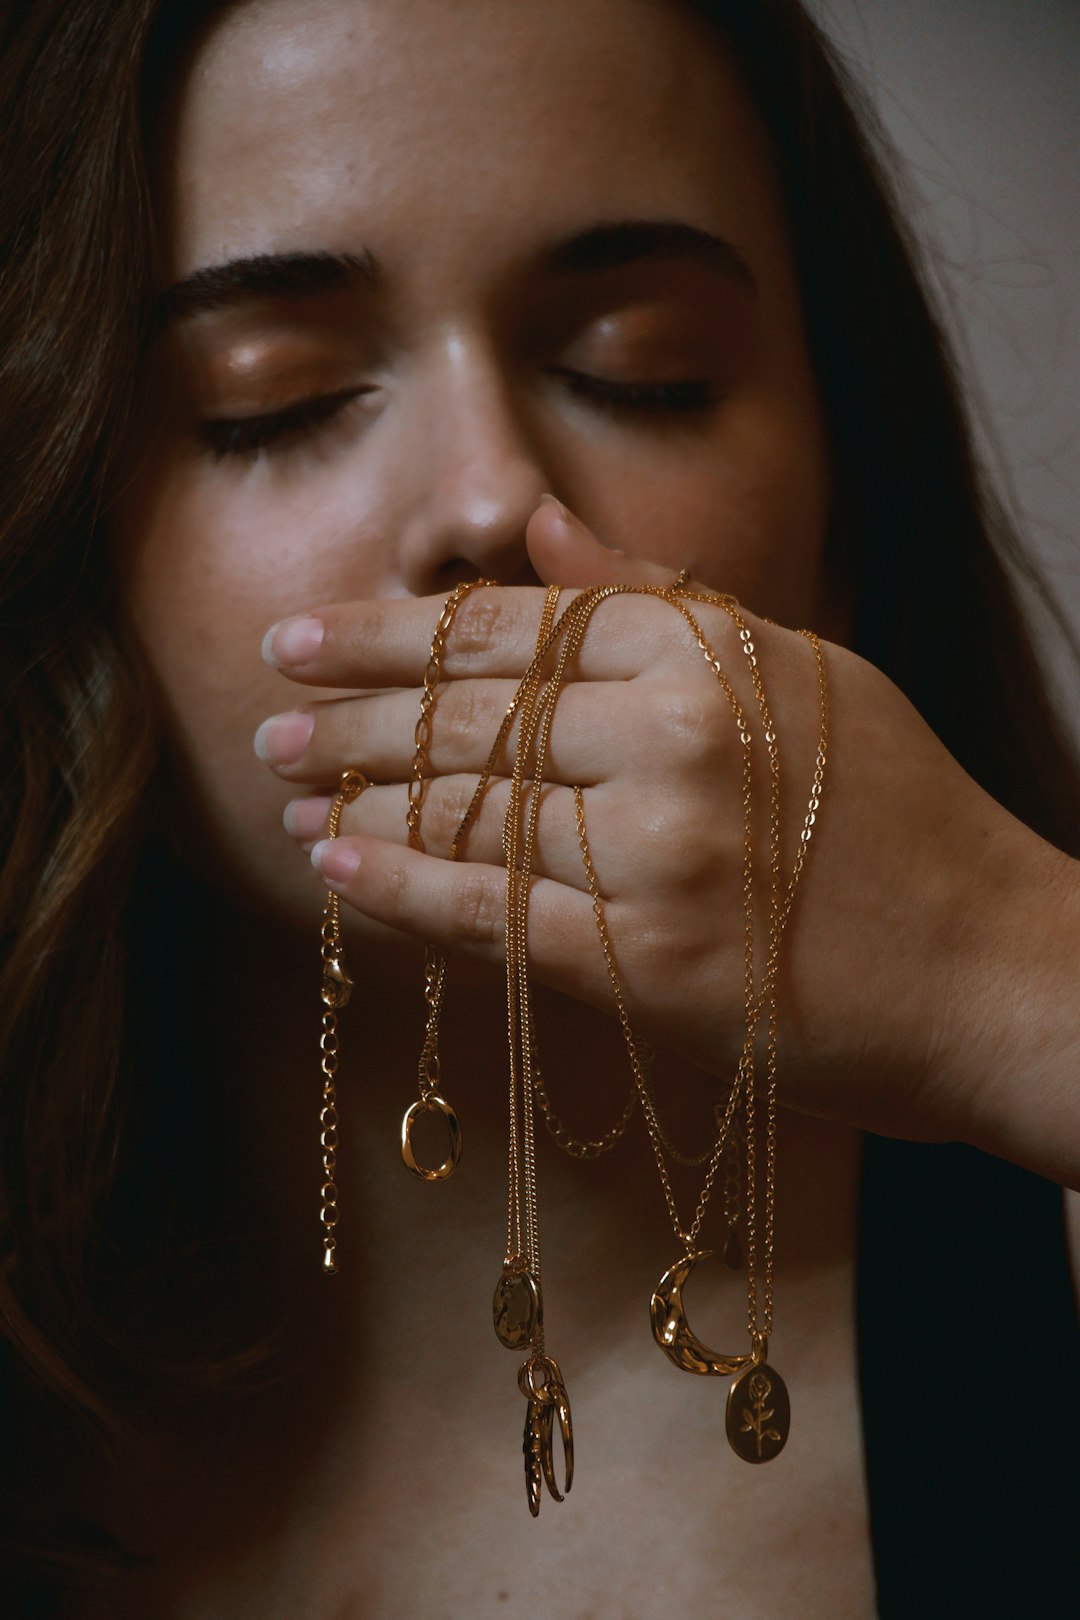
(673,1333)
(433,1104)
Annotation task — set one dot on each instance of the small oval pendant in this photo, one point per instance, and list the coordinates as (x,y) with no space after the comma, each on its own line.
(758,1414)
(516,1309)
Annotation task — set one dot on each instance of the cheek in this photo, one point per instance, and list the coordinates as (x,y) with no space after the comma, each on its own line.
(204,569)
(745,508)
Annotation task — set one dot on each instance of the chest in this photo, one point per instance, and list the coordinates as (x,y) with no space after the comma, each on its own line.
(387,1478)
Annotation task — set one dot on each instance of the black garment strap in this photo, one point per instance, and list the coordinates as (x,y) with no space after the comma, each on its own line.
(969,1360)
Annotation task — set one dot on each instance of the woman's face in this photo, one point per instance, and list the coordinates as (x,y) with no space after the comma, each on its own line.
(427,262)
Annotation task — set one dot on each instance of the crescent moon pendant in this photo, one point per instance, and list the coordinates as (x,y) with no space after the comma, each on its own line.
(673,1333)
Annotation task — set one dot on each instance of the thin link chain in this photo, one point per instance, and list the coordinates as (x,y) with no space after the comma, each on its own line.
(780,910)
(434,960)
(534,736)
(523,1228)
(422,735)
(335,984)
(522,1218)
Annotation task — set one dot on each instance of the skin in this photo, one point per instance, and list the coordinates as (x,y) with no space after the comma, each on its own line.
(377,129)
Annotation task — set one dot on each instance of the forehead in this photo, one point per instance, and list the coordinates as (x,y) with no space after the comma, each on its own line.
(462,128)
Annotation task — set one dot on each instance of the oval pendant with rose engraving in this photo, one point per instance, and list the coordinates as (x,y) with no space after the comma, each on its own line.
(516,1309)
(758,1414)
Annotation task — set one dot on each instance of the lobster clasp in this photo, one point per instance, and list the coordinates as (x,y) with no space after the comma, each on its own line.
(336,986)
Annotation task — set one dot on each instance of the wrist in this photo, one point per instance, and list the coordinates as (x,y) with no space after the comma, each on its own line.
(1018,1075)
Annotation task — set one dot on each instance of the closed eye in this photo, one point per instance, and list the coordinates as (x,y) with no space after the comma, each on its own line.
(685,395)
(244,435)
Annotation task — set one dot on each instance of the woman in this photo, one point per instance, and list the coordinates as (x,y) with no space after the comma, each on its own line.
(314,305)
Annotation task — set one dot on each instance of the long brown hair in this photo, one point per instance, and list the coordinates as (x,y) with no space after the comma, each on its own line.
(914,526)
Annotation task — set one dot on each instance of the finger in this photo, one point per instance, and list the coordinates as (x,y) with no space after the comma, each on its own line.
(648,845)
(381,812)
(564,551)
(597,729)
(374,644)
(462,906)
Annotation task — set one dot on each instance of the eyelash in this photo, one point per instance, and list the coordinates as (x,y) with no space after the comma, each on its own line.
(245,435)
(694,394)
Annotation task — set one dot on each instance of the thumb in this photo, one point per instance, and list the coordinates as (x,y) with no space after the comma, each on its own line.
(564,551)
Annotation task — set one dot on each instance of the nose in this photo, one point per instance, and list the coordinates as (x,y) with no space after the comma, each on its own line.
(472,473)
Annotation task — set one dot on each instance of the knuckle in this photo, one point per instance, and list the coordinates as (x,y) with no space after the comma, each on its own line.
(690,720)
(479,627)
(466,715)
(396,891)
(480,907)
(451,797)
(665,829)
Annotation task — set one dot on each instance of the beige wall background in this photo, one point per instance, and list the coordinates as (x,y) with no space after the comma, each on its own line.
(982,98)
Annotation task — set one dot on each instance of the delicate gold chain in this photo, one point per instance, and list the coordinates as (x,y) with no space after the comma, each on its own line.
(760,1000)
(535,702)
(336,989)
(523,1220)
(434,960)
(417,786)
(780,910)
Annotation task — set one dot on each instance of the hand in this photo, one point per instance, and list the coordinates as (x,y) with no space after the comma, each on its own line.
(900,959)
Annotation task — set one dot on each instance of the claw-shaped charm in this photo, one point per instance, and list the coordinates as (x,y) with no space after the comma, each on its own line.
(532,1446)
(547,1400)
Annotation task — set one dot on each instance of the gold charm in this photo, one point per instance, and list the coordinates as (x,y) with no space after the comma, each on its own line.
(532,1445)
(758,1413)
(517,1309)
(433,1103)
(547,1401)
(557,1406)
(673,1333)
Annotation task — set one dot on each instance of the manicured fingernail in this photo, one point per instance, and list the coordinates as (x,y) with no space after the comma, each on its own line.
(282,739)
(553,500)
(292,642)
(335,862)
(306,818)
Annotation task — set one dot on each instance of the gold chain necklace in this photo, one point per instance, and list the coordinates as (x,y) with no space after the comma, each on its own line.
(431,1099)
(758,1411)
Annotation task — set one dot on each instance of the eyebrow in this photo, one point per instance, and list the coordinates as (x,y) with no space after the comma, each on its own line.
(266,275)
(307,275)
(631,241)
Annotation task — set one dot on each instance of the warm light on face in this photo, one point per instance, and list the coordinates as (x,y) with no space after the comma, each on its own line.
(412,285)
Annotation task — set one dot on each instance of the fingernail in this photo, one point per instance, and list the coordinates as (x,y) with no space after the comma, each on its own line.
(292,642)
(554,501)
(336,862)
(282,739)
(306,818)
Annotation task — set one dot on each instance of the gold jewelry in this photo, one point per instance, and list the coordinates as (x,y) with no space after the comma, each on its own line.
(756,1429)
(337,987)
(431,1099)
(758,1413)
